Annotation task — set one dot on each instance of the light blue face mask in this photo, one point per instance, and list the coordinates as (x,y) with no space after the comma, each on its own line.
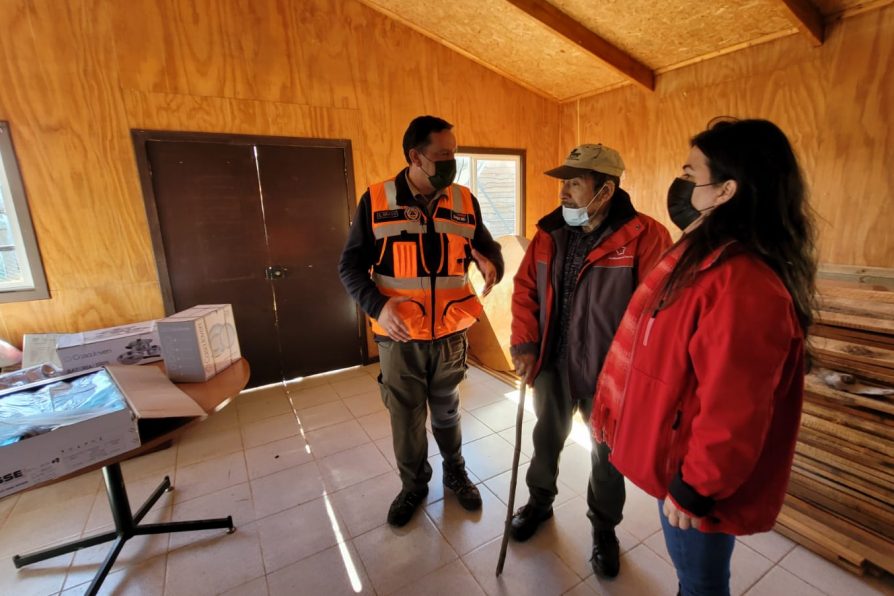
(578,216)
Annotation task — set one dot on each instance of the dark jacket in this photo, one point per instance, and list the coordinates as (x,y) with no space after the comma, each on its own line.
(631,245)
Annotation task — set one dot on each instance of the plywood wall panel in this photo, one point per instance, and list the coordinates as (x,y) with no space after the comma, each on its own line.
(63,109)
(853,183)
(162,111)
(86,308)
(86,72)
(836,103)
(275,50)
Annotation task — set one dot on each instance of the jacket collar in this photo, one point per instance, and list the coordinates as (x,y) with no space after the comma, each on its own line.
(619,212)
(727,249)
(405,195)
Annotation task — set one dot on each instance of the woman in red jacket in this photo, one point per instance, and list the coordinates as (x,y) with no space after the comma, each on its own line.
(700,396)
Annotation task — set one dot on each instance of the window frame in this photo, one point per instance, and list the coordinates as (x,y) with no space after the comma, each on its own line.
(521,154)
(21,224)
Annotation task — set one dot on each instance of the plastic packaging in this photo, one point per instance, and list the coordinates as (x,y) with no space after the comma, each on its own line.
(26,376)
(35,411)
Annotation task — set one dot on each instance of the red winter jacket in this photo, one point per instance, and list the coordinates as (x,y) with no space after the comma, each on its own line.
(701,399)
(630,248)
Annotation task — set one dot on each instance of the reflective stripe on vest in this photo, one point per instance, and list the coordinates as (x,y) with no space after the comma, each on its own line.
(441,299)
(452,282)
(392,220)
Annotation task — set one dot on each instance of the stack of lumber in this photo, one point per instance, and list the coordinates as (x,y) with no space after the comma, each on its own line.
(840,501)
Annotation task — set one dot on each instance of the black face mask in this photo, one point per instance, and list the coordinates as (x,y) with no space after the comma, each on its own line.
(679,202)
(445,172)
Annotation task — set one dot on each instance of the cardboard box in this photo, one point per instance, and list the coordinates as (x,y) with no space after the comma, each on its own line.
(125,344)
(150,396)
(199,342)
(40,348)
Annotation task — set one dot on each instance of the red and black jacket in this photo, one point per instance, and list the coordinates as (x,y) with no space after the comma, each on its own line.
(631,245)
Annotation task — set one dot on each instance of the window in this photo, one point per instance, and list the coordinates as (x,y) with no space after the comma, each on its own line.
(496,179)
(21,271)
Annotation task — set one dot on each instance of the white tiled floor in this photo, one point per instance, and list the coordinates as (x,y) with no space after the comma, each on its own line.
(309,494)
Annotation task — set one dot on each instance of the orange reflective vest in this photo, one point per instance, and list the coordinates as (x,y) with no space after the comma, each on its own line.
(441,299)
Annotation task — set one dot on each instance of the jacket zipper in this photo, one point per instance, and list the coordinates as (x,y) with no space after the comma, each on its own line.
(651,322)
(452,302)
(670,463)
(430,230)
(627,379)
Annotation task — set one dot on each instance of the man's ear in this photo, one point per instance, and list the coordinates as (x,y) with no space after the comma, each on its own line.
(610,188)
(727,191)
(414,157)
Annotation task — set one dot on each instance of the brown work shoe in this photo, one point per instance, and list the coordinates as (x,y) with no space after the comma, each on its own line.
(457,480)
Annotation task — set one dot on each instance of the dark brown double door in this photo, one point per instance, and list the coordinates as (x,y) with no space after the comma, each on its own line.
(258,223)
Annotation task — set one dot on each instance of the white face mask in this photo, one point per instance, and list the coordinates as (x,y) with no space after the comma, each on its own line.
(578,216)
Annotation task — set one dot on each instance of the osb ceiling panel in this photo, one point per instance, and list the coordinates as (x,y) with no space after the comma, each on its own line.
(833,7)
(661,33)
(507,40)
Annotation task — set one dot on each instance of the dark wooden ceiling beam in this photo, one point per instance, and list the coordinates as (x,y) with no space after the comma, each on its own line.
(807,18)
(616,58)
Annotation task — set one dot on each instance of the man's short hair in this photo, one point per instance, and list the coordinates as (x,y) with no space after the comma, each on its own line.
(418,134)
(599,179)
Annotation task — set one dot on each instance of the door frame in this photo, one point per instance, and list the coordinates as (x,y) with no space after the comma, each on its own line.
(141,137)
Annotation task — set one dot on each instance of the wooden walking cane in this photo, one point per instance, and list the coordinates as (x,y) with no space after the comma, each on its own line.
(519,416)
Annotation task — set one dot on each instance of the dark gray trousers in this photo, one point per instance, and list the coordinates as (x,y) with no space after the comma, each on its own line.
(555,407)
(415,377)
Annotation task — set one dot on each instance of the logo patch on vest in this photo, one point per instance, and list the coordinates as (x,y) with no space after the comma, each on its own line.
(413,213)
(460,217)
(390,215)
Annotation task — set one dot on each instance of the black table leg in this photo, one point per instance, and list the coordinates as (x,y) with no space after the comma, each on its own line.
(126,526)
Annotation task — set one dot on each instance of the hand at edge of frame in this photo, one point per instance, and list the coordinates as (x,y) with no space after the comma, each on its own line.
(678,518)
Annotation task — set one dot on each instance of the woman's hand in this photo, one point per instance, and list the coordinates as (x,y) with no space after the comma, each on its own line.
(678,518)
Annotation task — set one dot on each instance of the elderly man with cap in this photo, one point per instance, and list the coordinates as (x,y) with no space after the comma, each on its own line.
(571,290)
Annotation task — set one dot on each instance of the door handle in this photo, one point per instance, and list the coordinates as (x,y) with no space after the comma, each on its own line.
(275,272)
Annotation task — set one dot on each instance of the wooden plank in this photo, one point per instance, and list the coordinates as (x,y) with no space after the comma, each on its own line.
(852,538)
(850,464)
(614,57)
(845,509)
(833,288)
(846,419)
(866,414)
(878,374)
(793,531)
(858,305)
(880,445)
(867,338)
(807,19)
(831,444)
(843,477)
(854,351)
(867,277)
(803,525)
(856,313)
(850,504)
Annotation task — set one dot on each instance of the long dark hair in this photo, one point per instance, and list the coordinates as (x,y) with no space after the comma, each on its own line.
(768,216)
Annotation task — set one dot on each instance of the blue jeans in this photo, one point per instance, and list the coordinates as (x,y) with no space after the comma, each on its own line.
(700,558)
